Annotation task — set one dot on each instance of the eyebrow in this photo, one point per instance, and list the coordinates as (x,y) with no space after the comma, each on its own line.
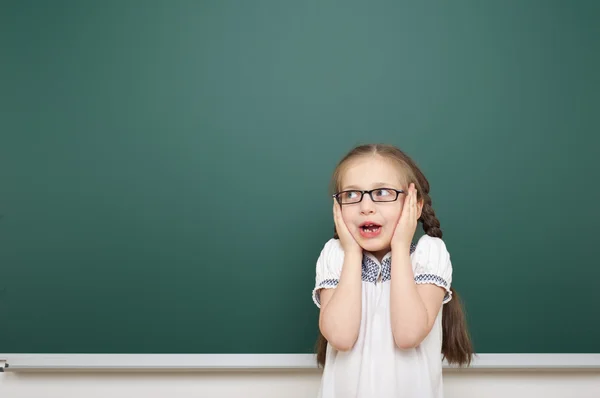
(374,186)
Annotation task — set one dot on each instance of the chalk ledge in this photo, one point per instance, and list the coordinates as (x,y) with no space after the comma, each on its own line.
(74,362)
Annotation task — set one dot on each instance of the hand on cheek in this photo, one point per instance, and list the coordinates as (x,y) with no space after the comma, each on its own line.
(407,223)
(347,239)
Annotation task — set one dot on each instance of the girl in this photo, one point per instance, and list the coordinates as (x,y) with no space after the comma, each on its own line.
(383,329)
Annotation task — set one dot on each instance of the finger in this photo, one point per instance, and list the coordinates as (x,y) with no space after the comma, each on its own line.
(416,207)
(405,207)
(414,215)
(410,204)
(405,212)
(414,196)
(339,222)
(335,216)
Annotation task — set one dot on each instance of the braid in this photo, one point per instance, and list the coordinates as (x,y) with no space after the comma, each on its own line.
(431,225)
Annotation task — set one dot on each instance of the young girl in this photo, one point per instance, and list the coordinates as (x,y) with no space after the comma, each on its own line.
(387,309)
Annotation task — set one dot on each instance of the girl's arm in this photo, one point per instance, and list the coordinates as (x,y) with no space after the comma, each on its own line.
(413,307)
(339,319)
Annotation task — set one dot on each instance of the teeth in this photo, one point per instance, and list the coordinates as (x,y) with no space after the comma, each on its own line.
(371,228)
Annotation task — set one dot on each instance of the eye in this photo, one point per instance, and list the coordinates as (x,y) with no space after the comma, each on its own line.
(350,196)
(383,192)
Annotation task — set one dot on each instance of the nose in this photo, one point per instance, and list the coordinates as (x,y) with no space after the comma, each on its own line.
(366,205)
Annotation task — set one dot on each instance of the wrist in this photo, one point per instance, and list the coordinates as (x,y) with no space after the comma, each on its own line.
(354,256)
(401,247)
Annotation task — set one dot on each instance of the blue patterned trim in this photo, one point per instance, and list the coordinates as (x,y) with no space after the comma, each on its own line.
(436,280)
(386,270)
(326,283)
(370,269)
(431,278)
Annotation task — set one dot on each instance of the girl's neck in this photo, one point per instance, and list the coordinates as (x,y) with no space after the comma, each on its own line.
(380,254)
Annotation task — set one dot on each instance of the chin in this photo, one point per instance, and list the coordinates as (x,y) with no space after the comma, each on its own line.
(374,245)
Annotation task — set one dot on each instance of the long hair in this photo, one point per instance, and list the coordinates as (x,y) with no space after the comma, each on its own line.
(457,347)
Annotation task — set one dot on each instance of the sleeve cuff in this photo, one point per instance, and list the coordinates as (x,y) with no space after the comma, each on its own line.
(435,280)
(325,284)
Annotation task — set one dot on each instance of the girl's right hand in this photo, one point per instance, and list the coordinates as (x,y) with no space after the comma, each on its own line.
(347,241)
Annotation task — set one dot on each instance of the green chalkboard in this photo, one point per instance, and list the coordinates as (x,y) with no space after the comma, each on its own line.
(164,165)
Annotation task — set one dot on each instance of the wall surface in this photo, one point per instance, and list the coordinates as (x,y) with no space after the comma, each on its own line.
(288,384)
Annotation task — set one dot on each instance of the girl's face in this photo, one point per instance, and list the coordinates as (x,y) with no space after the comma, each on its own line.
(366,173)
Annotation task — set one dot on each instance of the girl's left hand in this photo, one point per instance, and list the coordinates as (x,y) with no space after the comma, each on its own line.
(407,224)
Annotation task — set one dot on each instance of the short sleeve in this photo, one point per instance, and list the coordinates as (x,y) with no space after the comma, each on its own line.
(328,268)
(431,264)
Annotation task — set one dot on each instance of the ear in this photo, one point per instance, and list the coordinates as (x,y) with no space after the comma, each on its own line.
(419,208)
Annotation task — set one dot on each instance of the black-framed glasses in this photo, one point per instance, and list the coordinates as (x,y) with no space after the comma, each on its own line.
(377,195)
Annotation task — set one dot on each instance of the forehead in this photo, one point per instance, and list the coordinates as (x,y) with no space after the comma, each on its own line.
(367,171)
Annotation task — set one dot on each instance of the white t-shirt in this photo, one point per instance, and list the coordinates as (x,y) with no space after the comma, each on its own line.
(375,366)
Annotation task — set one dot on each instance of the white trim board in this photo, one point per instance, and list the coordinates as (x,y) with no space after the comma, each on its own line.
(74,362)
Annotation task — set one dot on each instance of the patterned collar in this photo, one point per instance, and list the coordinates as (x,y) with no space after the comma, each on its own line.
(372,269)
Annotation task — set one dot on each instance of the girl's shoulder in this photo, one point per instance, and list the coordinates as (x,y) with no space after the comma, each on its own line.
(328,268)
(332,249)
(428,243)
(432,264)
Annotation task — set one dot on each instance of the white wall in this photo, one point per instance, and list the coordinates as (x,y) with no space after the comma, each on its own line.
(283,384)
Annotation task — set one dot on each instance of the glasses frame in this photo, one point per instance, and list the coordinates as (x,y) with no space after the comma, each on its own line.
(336,195)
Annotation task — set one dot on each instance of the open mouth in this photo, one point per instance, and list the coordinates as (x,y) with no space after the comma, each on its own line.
(369,229)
